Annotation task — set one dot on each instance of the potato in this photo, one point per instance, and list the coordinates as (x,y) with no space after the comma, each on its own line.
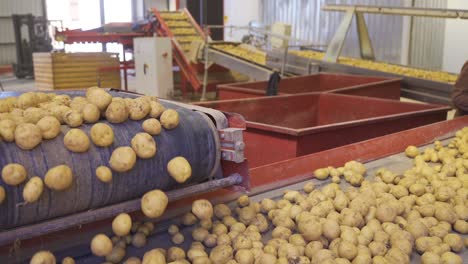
(27,136)
(331,229)
(7,130)
(221,254)
(322,173)
(156,109)
(310,230)
(347,250)
(173,229)
(202,209)
(58,111)
(170,119)
(43,257)
(189,219)
(72,118)
(154,256)
(122,159)
(138,108)
(179,169)
(461,226)
(49,126)
(221,210)
(122,224)
(178,239)
(98,97)
(454,241)
(68,260)
(116,256)
(117,112)
(451,258)
(78,102)
(26,100)
(411,151)
(154,203)
(210,240)
(139,240)
(133,260)
(199,234)
(175,253)
(144,145)
(102,135)
(445,213)
(430,258)
(385,213)
(2,194)
(244,256)
(14,174)
(91,113)
(101,245)
(59,178)
(104,174)
(152,126)
(75,140)
(33,189)
(33,114)
(62,99)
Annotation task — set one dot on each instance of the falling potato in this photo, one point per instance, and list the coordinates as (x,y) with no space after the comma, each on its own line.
(179,169)
(122,224)
(154,203)
(43,257)
(101,245)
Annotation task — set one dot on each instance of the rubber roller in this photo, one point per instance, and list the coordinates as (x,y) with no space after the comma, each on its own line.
(196,139)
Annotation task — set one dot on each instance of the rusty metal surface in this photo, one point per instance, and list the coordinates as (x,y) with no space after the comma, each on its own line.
(287,126)
(268,182)
(387,88)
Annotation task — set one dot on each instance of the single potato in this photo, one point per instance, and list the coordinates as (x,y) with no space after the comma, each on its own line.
(179,169)
(75,140)
(7,130)
(154,203)
(49,126)
(33,189)
(2,194)
(202,209)
(122,224)
(27,136)
(156,109)
(144,145)
(122,159)
(170,119)
(43,257)
(98,97)
(101,245)
(91,113)
(152,126)
(104,174)
(102,135)
(138,108)
(14,174)
(59,178)
(117,112)
(73,118)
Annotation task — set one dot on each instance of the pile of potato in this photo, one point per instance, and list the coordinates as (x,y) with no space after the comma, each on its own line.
(33,117)
(384,67)
(383,221)
(174,15)
(248,53)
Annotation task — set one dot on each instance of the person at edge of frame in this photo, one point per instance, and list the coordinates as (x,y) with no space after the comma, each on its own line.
(460,92)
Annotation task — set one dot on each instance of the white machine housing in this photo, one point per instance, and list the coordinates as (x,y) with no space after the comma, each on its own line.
(153,65)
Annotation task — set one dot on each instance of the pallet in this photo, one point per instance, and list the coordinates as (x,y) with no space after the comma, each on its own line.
(55,71)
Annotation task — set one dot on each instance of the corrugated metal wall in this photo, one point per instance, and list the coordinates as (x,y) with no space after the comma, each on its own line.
(7,8)
(312,24)
(427,38)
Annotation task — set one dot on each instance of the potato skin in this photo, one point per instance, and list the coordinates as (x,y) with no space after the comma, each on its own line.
(43,257)
(122,159)
(91,113)
(7,130)
(170,119)
(154,203)
(202,209)
(156,109)
(2,194)
(153,256)
(14,174)
(102,135)
(104,174)
(99,97)
(138,108)
(179,169)
(117,112)
(144,145)
(49,126)
(27,136)
(73,118)
(59,178)
(101,245)
(33,189)
(75,140)
(152,126)
(122,224)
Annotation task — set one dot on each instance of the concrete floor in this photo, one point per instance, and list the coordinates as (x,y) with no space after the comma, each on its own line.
(9,83)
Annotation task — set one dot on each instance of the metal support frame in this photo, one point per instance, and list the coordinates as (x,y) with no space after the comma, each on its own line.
(337,43)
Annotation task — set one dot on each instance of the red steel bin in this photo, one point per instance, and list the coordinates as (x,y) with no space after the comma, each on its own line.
(379,87)
(283,127)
